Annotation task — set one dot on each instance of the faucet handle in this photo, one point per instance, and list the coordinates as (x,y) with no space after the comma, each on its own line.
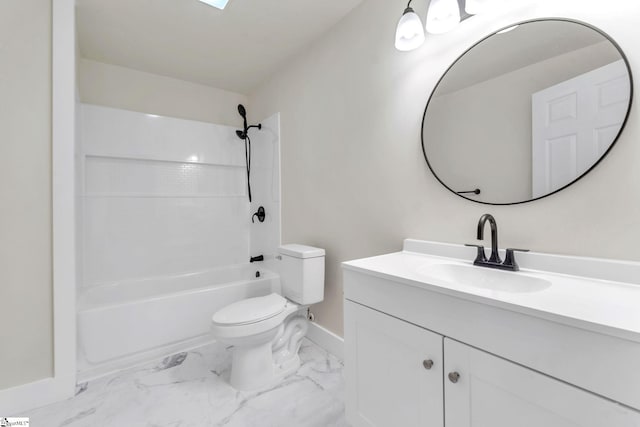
(510,259)
(481,257)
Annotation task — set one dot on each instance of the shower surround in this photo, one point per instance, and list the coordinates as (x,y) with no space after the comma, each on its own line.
(165,231)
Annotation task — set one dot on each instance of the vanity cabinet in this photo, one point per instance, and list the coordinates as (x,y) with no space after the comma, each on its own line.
(395,374)
(494,392)
(402,374)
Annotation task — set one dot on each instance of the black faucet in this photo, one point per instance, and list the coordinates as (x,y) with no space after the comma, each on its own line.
(256,258)
(495,256)
(494,260)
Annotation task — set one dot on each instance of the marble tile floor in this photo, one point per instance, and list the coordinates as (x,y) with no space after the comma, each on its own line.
(191,389)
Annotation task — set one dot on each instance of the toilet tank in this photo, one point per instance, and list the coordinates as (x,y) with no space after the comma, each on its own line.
(302,273)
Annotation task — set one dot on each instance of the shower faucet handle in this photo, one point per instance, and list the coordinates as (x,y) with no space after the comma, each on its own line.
(261,214)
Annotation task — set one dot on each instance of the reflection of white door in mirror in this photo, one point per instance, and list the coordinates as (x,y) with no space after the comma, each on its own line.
(574,124)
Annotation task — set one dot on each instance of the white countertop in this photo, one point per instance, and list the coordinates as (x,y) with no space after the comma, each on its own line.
(606,306)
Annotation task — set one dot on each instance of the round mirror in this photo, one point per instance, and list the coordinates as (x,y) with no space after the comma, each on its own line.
(527,111)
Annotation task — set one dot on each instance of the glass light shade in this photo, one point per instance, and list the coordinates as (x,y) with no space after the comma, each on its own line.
(443,16)
(474,7)
(410,33)
(220,4)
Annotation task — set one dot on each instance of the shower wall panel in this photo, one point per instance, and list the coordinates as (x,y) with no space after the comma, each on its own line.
(161,196)
(265,186)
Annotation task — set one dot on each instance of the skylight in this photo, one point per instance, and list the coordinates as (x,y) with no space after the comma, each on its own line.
(220,4)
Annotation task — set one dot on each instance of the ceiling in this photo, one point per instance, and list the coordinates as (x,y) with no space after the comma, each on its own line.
(527,44)
(233,49)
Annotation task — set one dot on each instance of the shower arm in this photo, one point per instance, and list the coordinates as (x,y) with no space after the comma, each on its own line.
(242,134)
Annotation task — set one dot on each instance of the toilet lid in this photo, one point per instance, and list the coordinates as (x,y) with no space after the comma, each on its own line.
(250,310)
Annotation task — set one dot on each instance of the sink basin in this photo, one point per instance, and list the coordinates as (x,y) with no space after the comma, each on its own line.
(485,278)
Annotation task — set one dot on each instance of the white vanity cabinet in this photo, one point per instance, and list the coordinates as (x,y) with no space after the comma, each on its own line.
(493,392)
(396,371)
(419,352)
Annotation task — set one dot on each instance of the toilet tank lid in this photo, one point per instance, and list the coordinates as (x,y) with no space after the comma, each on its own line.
(300,251)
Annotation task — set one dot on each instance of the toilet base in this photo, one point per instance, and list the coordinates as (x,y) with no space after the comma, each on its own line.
(264,360)
(245,376)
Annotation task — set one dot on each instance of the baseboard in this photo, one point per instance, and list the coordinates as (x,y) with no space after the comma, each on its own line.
(15,401)
(326,339)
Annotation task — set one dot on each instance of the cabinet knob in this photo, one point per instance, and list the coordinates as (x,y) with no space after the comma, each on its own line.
(428,364)
(454,377)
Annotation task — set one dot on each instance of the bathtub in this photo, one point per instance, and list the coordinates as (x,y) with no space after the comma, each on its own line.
(122,322)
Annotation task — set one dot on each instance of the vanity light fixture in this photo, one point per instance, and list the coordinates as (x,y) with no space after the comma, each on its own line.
(475,7)
(409,33)
(442,17)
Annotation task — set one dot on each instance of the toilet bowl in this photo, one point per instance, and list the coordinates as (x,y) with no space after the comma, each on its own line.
(266,332)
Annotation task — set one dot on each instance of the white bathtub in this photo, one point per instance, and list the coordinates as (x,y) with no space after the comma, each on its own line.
(120,321)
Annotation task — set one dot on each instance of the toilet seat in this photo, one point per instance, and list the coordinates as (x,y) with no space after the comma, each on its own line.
(250,310)
(237,321)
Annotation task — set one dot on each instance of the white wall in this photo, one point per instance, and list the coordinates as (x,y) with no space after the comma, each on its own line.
(354,178)
(25,191)
(119,87)
(492,151)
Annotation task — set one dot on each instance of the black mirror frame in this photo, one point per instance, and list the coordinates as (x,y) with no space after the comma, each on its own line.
(606,153)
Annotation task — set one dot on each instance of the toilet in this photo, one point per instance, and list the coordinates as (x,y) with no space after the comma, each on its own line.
(266,332)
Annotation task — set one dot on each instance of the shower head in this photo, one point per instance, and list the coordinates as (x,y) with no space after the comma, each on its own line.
(242,134)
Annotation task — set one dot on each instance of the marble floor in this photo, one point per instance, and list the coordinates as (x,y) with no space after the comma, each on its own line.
(191,389)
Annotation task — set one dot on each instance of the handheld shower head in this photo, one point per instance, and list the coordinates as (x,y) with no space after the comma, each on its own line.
(242,111)
(242,134)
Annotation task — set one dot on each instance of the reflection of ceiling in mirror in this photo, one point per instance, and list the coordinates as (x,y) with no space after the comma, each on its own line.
(528,44)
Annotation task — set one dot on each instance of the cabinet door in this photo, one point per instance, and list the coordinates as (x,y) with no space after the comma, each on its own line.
(493,392)
(393,371)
